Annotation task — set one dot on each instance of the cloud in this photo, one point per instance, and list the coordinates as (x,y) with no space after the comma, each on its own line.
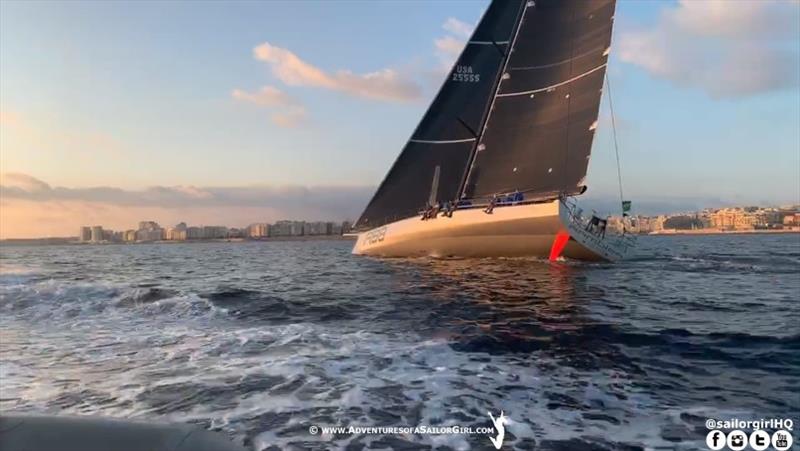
(23,182)
(458,28)
(290,118)
(449,46)
(292,113)
(22,186)
(384,85)
(727,51)
(266,96)
(32,207)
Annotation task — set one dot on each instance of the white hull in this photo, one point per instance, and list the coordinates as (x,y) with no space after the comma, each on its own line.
(509,231)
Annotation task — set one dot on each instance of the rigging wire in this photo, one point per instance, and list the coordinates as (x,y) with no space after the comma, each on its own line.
(616,145)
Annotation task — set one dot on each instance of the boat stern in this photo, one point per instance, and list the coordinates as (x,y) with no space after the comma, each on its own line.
(589,237)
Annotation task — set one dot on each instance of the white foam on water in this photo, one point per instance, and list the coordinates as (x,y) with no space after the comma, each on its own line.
(183,342)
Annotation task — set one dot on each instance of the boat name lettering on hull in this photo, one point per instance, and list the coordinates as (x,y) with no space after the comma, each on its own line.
(375,236)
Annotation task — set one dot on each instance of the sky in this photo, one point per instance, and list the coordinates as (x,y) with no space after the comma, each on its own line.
(240,112)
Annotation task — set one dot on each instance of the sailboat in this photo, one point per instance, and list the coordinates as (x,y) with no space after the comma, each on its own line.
(497,162)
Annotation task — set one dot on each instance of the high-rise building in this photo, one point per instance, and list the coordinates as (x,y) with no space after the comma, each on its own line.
(85,235)
(258,230)
(194,233)
(147,225)
(334,228)
(286,228)
(315,228)
(130,236)
(97,234)
(215,232)
(177,233)
(150,231)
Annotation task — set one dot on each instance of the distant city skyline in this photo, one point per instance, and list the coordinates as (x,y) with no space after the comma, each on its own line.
(110,112)
(742,216)
(150,231)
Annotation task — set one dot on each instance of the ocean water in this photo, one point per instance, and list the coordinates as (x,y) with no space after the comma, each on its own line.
(264,340)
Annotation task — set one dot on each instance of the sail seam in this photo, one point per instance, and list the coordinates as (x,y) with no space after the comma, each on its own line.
(568,60)
(451,141)
(547,88)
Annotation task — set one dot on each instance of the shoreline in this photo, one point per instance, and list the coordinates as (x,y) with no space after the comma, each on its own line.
(671,232)
(74,242)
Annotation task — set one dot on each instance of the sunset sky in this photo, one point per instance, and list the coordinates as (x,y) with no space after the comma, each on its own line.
(239,112)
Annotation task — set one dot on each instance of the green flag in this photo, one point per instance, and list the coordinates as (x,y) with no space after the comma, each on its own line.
(626,206)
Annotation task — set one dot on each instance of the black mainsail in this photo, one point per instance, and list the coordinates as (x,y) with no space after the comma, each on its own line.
(516,113)
(538,136)
(447,135)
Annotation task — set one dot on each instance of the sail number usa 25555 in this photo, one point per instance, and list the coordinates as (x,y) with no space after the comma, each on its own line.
(465,74)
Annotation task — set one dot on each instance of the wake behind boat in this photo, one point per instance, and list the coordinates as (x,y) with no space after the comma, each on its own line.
(495,165)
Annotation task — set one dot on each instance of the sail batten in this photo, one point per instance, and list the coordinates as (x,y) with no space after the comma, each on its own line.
(451,141)
(547,88)
(568,60)
(488,42)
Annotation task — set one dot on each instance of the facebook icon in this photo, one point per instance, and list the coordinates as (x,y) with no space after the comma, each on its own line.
(716,440)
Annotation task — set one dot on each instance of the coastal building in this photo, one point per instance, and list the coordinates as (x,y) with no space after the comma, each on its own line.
(194,233)
(177,233)
(215,232)
(315,228)
(150,234)
(146,225)
(286,228)
(85,234)
(334,228)
(97,234)
(130,236)
(258,230)
(733,219)
(150,231)
(657,223)
(614,224)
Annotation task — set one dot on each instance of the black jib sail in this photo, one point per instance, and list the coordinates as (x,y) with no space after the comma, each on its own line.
(538,134)
(445,139)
